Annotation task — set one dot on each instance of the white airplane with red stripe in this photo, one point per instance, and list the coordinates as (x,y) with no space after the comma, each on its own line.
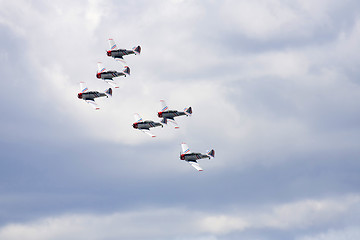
(108,76)
(169,115)
(118,54)
(192,158)
(89,96)
(145,126)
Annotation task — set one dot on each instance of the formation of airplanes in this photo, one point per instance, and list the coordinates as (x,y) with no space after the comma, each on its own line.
(166,115)
(107,76)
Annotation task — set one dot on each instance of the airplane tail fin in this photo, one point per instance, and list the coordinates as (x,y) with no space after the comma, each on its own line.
(126,70)
(188,111)
(211,153)
(137,50)
(108,92)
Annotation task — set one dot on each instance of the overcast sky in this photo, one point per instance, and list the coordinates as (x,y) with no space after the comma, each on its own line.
(275,90)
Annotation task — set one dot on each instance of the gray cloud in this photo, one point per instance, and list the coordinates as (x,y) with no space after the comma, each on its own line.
(273,87)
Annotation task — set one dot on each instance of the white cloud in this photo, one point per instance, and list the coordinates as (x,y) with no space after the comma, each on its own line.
(284,64)
(259,102)
(177,223)
(150,224)
(276,19)
(349,233)
(308,213)
(73,40)
(279,95)
(258,19)
(295,215)
(223,224)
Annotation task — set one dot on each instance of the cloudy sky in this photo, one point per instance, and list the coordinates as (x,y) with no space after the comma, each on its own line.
(274,86)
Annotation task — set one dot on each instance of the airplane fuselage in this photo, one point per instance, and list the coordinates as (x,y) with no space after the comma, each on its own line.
(193,156)
(109,74)
(146,125)
(170,114)
(119,53)
(90,95)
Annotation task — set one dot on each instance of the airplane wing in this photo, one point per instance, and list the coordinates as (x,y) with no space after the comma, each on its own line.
(185,149)
(164,107)
(112,44)
(195,165)
(112,83)
(173,122)
(92,103)
(137,117)
(83,88)
(121,61)
(101,67)
(147,132)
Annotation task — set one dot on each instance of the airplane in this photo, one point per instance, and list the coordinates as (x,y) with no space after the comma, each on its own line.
(119,53)
(145,126)
(89,96)
(192,158)
(108,76)
(168,115)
